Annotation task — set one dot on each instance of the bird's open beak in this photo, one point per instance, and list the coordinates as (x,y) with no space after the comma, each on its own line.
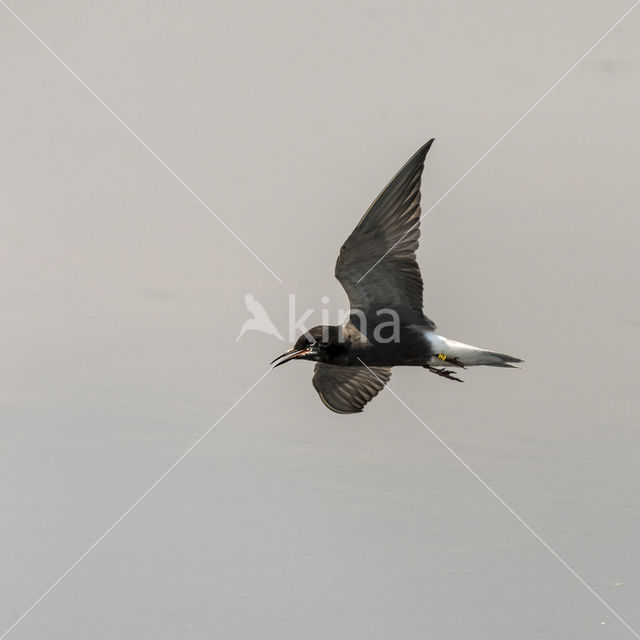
(292,355)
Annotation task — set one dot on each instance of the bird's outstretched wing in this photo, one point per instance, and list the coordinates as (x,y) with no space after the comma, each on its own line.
(348,389)
(390,228)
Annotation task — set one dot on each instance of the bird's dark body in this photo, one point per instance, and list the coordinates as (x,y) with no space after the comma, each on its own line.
(378,269)
(347,346)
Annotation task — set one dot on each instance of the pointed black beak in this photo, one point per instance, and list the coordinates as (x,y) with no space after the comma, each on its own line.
(292,355)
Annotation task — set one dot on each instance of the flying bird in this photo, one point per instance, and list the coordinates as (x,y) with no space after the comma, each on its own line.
(386,326)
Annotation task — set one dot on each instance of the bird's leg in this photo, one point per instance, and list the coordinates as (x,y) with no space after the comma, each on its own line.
(445,373)
(450,360)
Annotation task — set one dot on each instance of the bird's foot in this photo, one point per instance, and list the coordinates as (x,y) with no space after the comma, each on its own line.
(445,373)
(456,362)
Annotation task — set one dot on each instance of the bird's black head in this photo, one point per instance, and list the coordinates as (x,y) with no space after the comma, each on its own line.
(322,344)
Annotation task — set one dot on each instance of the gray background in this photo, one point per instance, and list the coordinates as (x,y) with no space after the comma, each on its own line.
(122,299)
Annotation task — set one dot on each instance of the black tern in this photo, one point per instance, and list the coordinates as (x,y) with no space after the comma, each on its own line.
(386,327)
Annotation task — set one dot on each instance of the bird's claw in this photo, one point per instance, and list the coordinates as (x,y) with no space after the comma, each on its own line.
(445,373)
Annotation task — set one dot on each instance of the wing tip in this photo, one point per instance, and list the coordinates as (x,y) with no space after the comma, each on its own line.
(424,149)
(419,156)
(429,143)
(340,411)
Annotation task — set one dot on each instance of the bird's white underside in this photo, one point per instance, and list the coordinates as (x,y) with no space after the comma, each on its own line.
(468,355)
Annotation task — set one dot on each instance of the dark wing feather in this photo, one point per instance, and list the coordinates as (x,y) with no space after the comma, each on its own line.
(348,389)
(394,217)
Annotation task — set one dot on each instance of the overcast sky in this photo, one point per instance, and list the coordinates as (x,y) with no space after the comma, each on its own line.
(122,297)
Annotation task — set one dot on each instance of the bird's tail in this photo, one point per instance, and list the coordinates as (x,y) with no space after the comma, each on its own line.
(494,359)
(446,351)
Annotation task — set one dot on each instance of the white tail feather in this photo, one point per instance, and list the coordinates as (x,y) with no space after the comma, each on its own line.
(448,351)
